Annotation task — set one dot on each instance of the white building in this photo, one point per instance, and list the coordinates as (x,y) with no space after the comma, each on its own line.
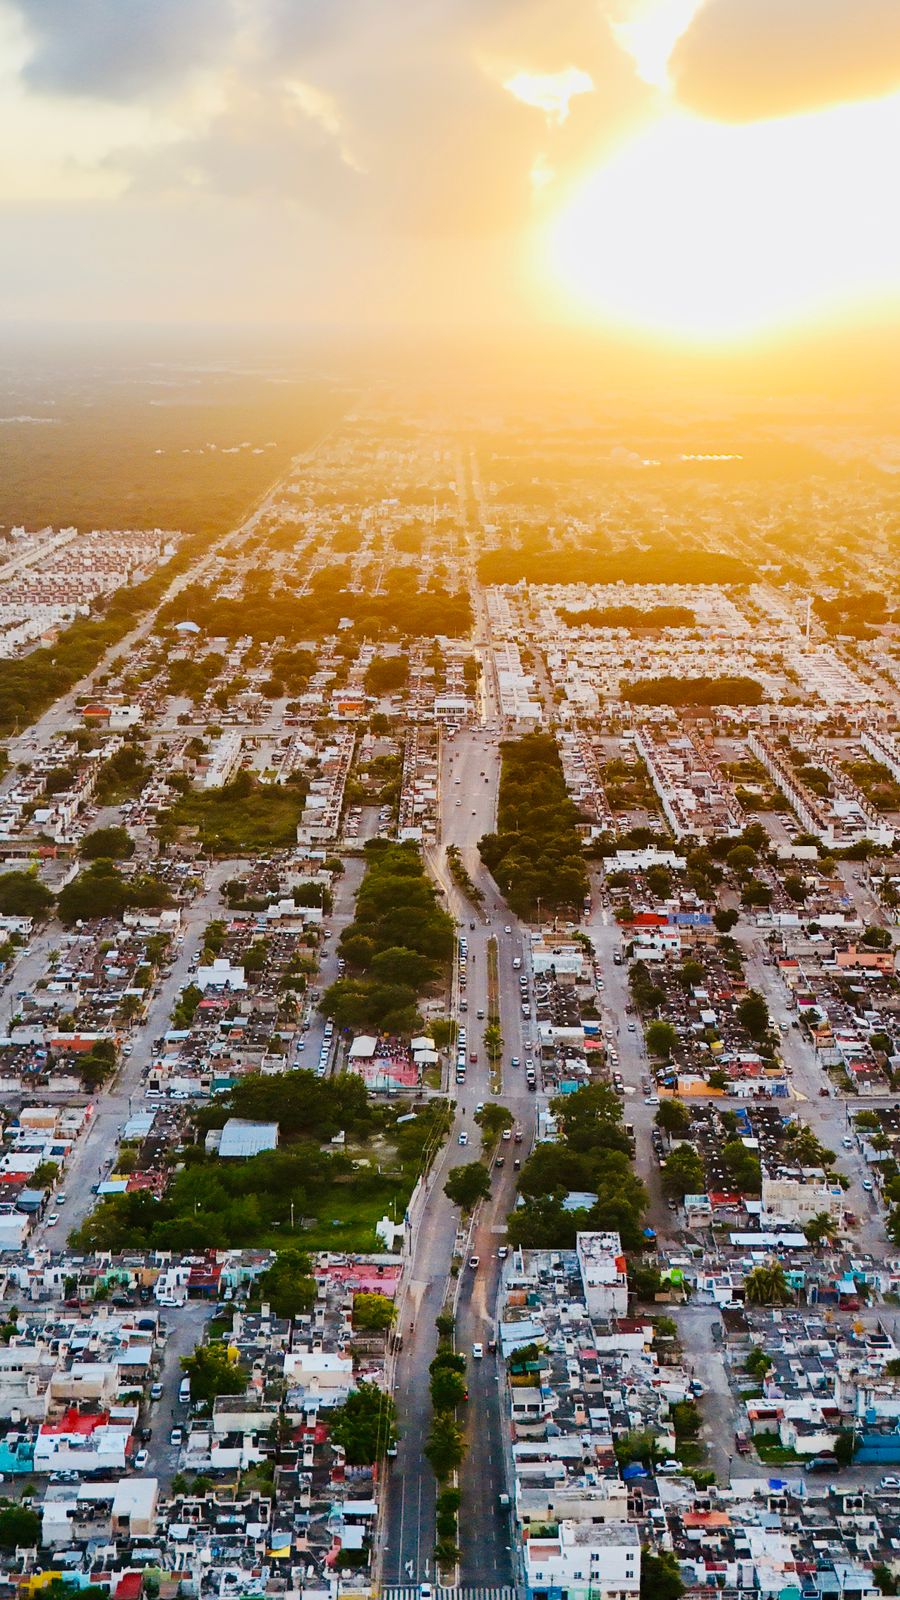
(604,1275)
(585,1561)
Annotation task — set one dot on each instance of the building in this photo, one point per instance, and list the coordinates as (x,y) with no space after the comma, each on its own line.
(584,1561)
(603,1274)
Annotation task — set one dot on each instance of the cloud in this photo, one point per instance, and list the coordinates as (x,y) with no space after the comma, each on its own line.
(743,60)
(404,122)
(116,49)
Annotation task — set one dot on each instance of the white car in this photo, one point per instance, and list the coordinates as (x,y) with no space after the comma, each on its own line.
(141,1459)
(889,1483)
(477,1351)
(507,929)
(53,1218)
(463,1137)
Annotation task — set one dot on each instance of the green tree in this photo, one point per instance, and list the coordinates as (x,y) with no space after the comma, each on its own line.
(660,1576)
(20,1527)
(448,1389)
(492,1119)
(674,1118)
(753,1015)
(468,1184)
(23,895)
(758,1362)
(767,1285)
(373,1313)
(725,919)
(820,1228)
(212,1372)
(683,1173)
(661,1039)
(45,1174)
(288,1285)
(365,1426)
(446,1444)
(113,844)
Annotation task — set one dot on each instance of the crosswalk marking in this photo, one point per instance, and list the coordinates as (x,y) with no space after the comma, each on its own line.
(410,1591)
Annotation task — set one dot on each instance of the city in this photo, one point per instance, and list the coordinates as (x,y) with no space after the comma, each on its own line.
(448,1071)
(449,800)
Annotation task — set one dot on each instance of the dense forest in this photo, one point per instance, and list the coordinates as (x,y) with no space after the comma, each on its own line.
(535,855)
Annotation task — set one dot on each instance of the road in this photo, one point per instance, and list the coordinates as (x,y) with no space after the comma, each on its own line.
(95,1152)
(468,808)
(184,1332)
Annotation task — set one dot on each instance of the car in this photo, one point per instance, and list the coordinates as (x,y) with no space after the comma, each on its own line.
(847,1143)
(473,1056)
(478,1351)
(823,1463)
(471,924)
(53,1218)
(176,1436)
(391,1450)
(503,1252)
(499,1161)
(866,1183)
(141,1459)
(506,1135)
(672,1205)
(426,1592)
(890,1482)
(669,1466)
(507,929)
(463,1136)
(61,1198)
(473,1262)
(156,1391)
(517,1164)
(651,1099)
(632,1027)
(697,1387)
(514,1061)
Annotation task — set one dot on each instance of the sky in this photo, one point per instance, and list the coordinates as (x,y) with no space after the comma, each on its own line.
(712,171)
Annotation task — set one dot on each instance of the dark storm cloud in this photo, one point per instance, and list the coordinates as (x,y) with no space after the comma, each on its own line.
(741,60)
(118,49)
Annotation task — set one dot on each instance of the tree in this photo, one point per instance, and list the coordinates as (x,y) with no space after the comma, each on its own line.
(758,1362)
(767,1286)
(288,1284)
(45,1174)
(20,1527)
(876,938)
(725,919)
(673,1117)
(446,1445)
(845,1446)
(660,1576)
(448,1389)
(23,895)
(372,1313)
(683,1173)
(212,1372)
(741,858)
(743,1166)
(113,844)
(821,1227)
(468,1184)
(753,1015)
(492,1119)
(365,1426)
(661,1039)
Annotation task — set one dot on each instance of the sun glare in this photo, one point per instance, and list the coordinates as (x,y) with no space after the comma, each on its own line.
(714,232)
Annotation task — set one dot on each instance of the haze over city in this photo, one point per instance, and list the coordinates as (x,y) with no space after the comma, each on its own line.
(449,800)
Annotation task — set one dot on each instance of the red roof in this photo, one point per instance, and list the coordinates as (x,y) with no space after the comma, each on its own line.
(73,1421)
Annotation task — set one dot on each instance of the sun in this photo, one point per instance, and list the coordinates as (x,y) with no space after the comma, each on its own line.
(720,232)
